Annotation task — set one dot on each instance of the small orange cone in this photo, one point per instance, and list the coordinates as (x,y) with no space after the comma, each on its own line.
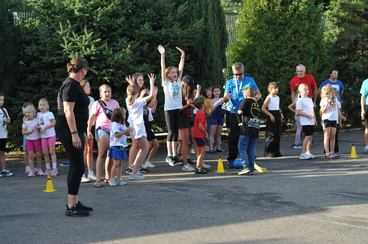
(49,184)
(220,166)
(353,153)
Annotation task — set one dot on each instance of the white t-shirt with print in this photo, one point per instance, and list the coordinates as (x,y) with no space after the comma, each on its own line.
(44,119)
(306,105)
(28,125)
(3,124)
(173,95)
(115,141)
(331,113)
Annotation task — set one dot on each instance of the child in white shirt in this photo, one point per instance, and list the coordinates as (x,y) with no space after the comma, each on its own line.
(305,108)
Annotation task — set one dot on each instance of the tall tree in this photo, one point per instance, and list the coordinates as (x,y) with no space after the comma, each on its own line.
(273,36)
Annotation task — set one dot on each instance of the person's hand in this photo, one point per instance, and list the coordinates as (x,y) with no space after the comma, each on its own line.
(129,79)
(206,135)
(152,78)
(76,141)
(42,129)
(182,52)
(227,96)
(272,118)
(143,93)
(362,114)
(161,49)
(130,129)
(282,117)
(189,101)
(89,135)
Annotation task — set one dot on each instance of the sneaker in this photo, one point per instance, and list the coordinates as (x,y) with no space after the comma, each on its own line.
(206,148)
(149,164)
(31,173)
(85,179)
(304,156)
(112,182)
(83,207)
(206,166)
(75,212)
(177,160)
(311,155)
(136,176)
(192,151)
(98,184)
(170,161)
(48,171)
(6,173)
(245,171)
(144,168)
(27,170)
(298,146)
(129,170)
(121,182)
(54,172)
(200,171)
(91,176)
(219,149)
(187,168)
(191,162)
(40,172)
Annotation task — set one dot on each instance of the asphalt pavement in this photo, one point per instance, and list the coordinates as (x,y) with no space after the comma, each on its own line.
(311,201)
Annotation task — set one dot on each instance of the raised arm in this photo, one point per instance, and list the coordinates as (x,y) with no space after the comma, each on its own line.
(181,63)
(152,79)
(198,92)
(161,49)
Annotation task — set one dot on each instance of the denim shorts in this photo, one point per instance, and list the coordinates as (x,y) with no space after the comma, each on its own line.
(101,132)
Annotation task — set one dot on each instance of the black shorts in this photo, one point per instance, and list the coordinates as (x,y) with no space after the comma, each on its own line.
(150,135)
(200,142)
(329,123)
(3,144)
(308,130)
(184,122)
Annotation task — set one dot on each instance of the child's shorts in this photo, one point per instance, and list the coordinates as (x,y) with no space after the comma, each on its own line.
(33,145)
(118,153)
(201,142)
(308,130)
(139,130)
(48,142)
(329,123)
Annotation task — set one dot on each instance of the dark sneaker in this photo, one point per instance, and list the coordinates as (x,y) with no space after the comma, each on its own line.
(177,160)
(75,212)
(190,162)
(170,161)
(81,206)
(200,171)
(252,172)
(6,173)
(144,170)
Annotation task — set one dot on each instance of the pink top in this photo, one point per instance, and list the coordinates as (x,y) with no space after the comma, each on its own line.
(101,119)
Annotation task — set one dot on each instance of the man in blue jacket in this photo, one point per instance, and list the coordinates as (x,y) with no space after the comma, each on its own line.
(234,93)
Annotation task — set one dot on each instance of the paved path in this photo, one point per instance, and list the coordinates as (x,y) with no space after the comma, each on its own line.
(315,201)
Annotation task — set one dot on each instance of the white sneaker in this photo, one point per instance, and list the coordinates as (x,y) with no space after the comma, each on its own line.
(149,164)
(91,176)
(112,182)
(192,151)
(304,156)
(121,182)
(187,168)
(40,172)
(27,170)
(85,179)
(310,155)
(136,176)
(206,166)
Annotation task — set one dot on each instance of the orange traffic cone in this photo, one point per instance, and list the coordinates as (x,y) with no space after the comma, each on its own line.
(49,185)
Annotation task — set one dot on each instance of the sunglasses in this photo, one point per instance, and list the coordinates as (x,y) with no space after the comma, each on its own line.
(238,74)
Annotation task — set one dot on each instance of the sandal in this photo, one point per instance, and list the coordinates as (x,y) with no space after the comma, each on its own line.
(98,184)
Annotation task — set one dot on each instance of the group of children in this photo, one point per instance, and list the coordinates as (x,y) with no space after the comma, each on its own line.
(39,138)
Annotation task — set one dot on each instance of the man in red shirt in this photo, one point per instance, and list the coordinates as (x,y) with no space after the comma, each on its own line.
(302,77)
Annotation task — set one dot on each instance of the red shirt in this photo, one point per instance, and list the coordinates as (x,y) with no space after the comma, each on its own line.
(308,79)
(200,117)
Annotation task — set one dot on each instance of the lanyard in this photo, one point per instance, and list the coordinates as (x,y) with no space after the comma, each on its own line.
(238,88)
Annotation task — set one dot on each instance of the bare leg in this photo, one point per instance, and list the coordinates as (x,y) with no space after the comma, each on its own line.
(154,145)
(184,145)
(103,146)
(142,154)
